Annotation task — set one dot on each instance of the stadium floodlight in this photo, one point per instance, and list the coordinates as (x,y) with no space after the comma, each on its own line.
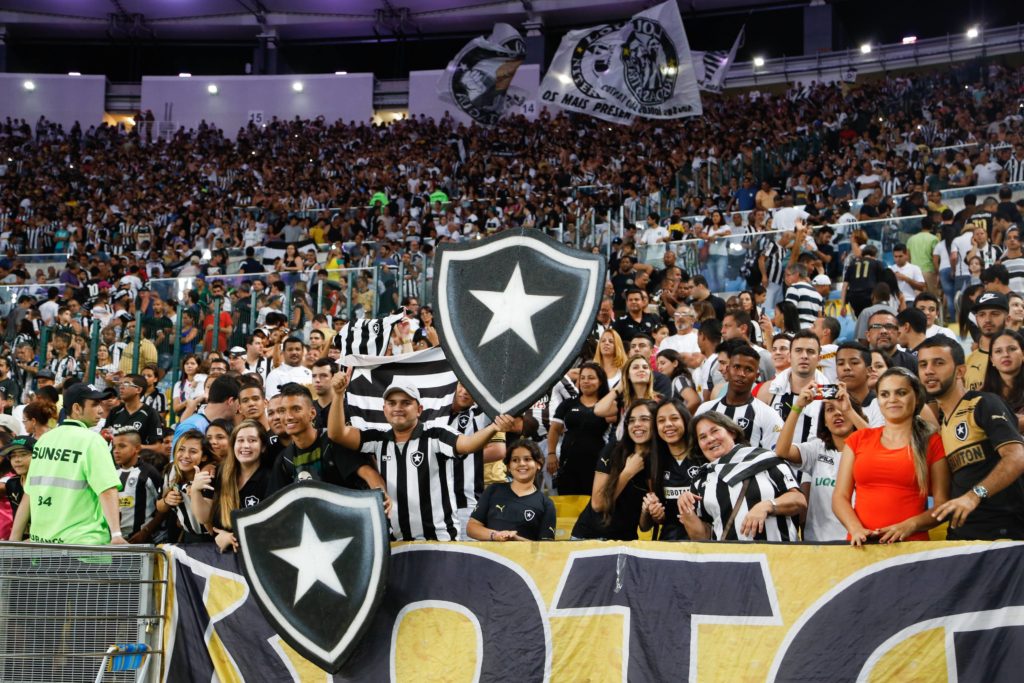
(184,74)
(865,49)
(972,32)
(759,61)
(28,85)
(340,73)
(909,40)
(74,73)
(212,89)
(297,86)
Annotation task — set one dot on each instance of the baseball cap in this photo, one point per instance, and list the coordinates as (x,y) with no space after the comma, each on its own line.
(236,351)
(21,443)
(405,388)
(992,300)
(11,424)
(77,393)
(821,281)
(45,374)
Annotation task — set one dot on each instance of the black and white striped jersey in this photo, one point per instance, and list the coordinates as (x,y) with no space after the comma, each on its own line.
(468,474)
(807,301)
(140,489)
(420,480)
(760,423)
(719,483)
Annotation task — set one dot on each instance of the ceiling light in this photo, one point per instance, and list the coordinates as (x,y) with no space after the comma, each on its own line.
(865,48)
(972,32)
(297,86)
(340,73)
(758,61)
(184,74)
(74,73)
(28,85)
(212,89)
(909,40)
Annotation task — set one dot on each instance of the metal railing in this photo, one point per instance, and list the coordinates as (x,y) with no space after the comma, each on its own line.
(62,606)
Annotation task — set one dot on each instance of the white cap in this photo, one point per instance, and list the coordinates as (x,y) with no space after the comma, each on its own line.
(405,388)
(821,281)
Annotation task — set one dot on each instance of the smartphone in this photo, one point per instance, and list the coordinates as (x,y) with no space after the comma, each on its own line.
(827,392)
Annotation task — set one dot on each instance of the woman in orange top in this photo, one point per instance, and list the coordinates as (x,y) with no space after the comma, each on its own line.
(892,469)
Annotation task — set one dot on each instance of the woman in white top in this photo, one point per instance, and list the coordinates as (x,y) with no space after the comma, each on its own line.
(611,356)
(715,233)
(819,457)
(191,385)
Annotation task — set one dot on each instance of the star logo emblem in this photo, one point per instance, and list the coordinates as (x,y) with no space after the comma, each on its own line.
(314,560)
(512,312)
(316,545)
(512,309)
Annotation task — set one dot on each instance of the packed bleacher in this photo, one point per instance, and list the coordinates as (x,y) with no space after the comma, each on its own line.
(799,284)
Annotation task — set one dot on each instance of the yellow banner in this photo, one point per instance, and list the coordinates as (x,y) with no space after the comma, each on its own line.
(593,611)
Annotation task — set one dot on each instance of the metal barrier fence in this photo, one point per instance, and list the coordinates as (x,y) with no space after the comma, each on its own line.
(61,607)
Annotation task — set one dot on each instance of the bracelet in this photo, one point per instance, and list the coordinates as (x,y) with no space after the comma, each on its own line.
(796,410)
(117,535)
(492,535)
(775,508)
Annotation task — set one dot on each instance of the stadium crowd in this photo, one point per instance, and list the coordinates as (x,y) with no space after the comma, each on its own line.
(764,415)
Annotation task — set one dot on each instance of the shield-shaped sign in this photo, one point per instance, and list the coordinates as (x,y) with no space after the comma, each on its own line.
(512,312)
(316,558)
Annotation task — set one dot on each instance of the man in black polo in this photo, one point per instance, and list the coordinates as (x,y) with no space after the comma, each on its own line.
(134,415)
(882,332)
(635,321)
(984,450)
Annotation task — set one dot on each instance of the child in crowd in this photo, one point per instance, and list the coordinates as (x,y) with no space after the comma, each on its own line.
(140,490)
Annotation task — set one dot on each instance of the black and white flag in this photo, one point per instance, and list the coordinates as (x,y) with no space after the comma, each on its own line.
(276,249)
(639,68)
(712,67)
(427,370)
(366,336)
(478,80)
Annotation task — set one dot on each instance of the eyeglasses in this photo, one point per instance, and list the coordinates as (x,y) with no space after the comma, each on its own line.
(639,419)
(882,326)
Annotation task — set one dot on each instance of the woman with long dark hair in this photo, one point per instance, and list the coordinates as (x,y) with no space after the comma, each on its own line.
(582,432)
(625,474)
(670,363)
(964,319)
(1003,376)
(892,469)
(677,462)
(787,318)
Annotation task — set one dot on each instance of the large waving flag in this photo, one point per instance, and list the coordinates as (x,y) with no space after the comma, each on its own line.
(367,336)
(712,67)
(478,80)
(427,370)
(640,68)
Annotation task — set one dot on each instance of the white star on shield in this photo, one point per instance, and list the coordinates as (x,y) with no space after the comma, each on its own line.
(512,309)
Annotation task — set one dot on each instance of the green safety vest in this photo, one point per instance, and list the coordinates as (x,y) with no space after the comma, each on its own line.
(71,466)
(379,198)
(438,196)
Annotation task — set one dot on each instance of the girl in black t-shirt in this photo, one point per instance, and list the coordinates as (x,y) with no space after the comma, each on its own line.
(625,474)
(516,510)
(242,481)
(583,434)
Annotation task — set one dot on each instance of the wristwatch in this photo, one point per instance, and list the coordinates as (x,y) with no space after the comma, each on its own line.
(980,491)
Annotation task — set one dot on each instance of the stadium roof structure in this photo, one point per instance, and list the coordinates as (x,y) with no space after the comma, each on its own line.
(318,19)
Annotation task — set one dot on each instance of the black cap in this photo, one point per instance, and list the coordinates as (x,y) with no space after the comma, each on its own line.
(78,393)
(45,374)
(20,443)
(992,300)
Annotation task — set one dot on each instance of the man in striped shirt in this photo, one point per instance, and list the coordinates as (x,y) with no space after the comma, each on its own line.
(415,460)
(804,353)
(466,417)
(802,294)
(761,425)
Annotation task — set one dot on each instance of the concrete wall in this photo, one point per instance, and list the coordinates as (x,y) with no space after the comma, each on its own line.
(187,101)
(63,99)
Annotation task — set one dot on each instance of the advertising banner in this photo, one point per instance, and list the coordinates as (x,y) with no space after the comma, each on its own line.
(592,611)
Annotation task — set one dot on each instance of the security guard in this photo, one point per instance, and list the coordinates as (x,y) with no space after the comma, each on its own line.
(72,482)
